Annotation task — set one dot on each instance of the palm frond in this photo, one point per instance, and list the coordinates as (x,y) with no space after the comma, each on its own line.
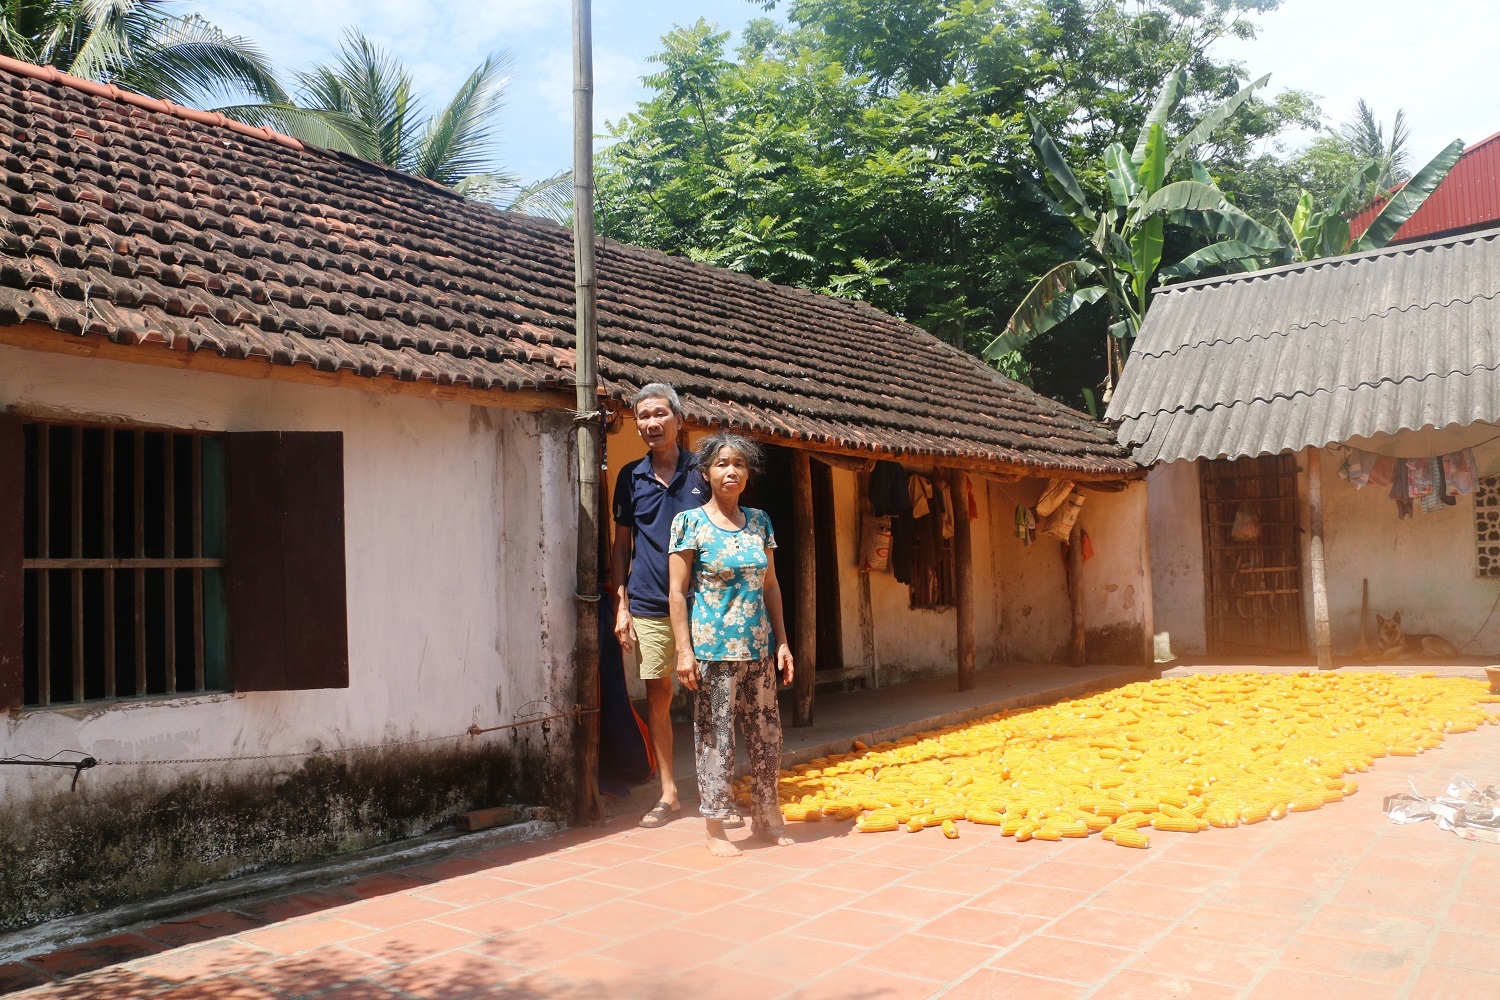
(459,141)
(320,127)
(548,198)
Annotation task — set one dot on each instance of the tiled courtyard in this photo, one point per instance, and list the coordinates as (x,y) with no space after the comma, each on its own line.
(1329,904)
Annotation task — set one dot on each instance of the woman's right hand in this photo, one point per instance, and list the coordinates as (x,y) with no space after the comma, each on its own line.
(625,629)
(687,669)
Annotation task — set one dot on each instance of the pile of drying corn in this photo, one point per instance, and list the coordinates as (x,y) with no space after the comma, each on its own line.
(1180,755)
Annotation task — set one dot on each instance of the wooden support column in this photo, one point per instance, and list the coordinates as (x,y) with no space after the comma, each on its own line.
(963,578)
(869,657)
(1322,638)
(804,590)
(1077,654)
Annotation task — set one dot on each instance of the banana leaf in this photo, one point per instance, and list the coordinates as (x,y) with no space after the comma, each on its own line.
(1057,166)
(1203,206)
(1172,89)
(1053,298)
(1224,252)
(1403,204)
(1189,143)
(1121,174)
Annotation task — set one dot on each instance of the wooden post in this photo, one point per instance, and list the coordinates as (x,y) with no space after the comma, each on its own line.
(587,808)
(963,582)
(1322,639)
(1077,655)
(868,655)
(804,590)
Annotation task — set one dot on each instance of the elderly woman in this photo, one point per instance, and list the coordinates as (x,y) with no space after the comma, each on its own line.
(721,554)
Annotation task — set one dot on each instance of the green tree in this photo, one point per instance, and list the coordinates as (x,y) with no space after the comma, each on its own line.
(455,147)
(1123,233)
(879,148)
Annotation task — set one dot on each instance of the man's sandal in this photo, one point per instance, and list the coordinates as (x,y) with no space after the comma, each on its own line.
(660,815)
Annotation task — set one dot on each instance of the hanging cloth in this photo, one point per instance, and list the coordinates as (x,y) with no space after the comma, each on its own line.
(919,492)
(888,496)
(1383,471)
(1400,489)
(1461,472)
(944,501)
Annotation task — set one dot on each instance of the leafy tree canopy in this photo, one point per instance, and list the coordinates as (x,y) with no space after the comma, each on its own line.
(880,149)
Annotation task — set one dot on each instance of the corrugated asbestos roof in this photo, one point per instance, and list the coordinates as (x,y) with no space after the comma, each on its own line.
(130,219)
(1278,360)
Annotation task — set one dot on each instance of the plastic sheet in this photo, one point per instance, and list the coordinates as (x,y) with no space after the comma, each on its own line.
(1467,810)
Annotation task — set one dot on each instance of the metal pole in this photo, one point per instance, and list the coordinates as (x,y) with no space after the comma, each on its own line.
(586,807)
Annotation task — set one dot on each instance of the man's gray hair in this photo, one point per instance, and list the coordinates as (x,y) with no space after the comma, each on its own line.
(661,391)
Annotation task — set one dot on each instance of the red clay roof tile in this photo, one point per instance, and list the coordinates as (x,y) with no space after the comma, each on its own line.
(139,221)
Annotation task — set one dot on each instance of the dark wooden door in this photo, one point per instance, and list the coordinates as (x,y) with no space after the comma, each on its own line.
(1254,574)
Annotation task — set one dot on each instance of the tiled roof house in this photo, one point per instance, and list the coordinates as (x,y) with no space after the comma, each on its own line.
(208,554)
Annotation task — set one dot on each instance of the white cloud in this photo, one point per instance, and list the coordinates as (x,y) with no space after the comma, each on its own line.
(617,85)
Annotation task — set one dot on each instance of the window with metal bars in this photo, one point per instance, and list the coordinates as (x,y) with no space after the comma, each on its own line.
(123,544)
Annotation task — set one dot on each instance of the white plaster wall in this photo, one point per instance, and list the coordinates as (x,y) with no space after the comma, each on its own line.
(1176,534)
(460,552)
(1117,588)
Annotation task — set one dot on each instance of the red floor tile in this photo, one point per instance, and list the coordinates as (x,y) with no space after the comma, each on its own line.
(1375,926)
(1123,930)
(1239,927)
(1283,902)
(449,976)
(998,984)
(394,910)
(571,895)
(1465,919)
(728,983)
(855,926)
(1176,875)
(1209,961)
(213,958)
(303,934)
(1467,951)
(669,949)
(902,901)
(18,976)
(412,942)
(1056,958)
(497,918)
(539,946)
(314,971)
(738,922)
(690,896)
(986,927)
(803,899)
(856,875)
(383,884)
(1065,875)
(866,984)
(1358,960)
(790,957)
(1296,984)
(933,958)
(87,957)
(1155,900)
(619,916)
(1033,900)
(1133,984)
(203,927)
(1440,982)
(230,989)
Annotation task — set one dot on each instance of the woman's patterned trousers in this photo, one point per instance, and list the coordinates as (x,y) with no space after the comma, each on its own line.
(743,692)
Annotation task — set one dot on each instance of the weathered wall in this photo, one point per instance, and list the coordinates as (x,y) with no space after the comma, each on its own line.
(1176,528)
(459,540)
(1423,566)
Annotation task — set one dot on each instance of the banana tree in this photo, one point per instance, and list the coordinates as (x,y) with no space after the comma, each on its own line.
(1311,234)
(1123,234)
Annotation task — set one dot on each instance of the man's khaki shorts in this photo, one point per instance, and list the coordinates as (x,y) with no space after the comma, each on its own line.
(656,648)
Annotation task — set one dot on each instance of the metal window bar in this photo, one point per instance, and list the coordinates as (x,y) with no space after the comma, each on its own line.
(94,666)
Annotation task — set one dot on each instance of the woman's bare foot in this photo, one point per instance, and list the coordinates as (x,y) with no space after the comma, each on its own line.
(777,839)
(718,841)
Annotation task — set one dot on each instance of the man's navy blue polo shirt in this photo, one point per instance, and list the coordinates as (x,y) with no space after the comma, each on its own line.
(646,507)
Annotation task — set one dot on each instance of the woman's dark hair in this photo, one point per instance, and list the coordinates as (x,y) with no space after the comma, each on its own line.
(709,448)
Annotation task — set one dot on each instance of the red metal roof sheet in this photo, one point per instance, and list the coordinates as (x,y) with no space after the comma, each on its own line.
(1468,198)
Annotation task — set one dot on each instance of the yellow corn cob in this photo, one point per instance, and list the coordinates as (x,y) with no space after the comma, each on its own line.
(1175,824)
(950,829)
(914,825)
(1132,838)
(1095,823)
(1027,828)
(1011,824)
(1350,787)
(884,824)
(1305,803)
(1047,832)
(986,817)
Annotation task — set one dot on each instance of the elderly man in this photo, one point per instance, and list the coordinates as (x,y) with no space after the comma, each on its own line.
(649,493)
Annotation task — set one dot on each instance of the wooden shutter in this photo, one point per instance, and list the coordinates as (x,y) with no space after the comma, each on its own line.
(288,617)
(12,591)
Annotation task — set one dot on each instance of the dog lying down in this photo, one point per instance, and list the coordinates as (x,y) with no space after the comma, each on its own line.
(1394,644)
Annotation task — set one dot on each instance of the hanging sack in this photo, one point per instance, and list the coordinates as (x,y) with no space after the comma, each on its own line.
(1052,497)
(1059,523)
(875,545)
(1246,526)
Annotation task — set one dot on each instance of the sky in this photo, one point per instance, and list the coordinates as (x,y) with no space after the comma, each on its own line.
(1433,58)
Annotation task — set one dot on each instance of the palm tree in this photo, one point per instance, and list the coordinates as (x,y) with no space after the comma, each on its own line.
(1365,138)
(182,58)
(455,147)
